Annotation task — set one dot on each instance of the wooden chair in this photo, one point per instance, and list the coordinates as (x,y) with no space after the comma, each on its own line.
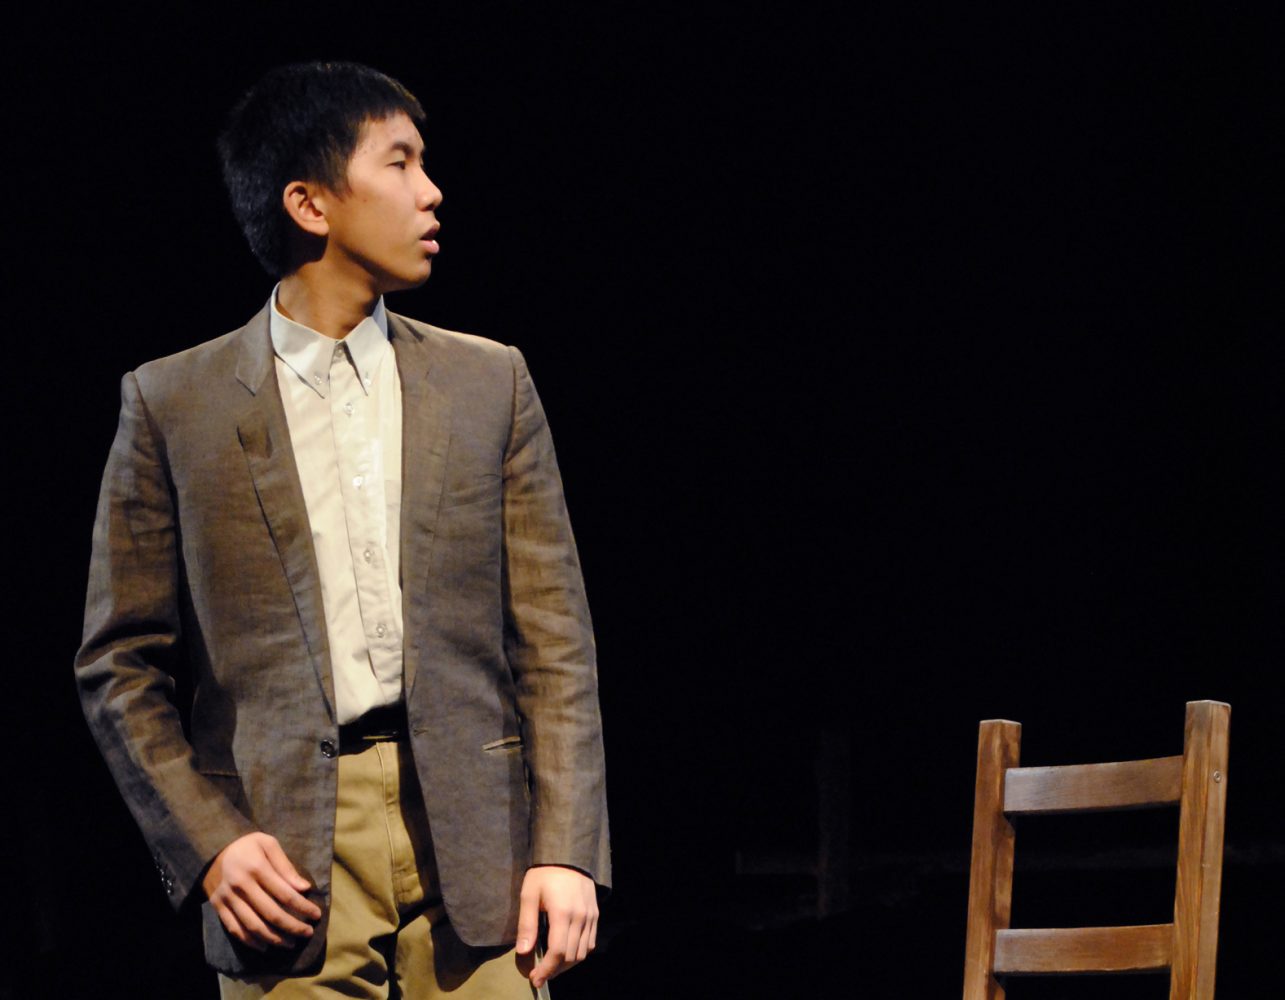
(1195,781)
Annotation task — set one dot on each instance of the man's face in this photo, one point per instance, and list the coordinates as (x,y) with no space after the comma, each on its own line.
(385,223)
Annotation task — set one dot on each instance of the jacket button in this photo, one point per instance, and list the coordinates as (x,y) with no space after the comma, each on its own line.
(327,748)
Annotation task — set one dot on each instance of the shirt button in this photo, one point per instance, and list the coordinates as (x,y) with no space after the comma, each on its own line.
(318,379)
(380,630)
(357,481)
(327,748)
(348,408)
(368,555)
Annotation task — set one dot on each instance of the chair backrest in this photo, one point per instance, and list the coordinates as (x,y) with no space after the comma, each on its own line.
(1196,782)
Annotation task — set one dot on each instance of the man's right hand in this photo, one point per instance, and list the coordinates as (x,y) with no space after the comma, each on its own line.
(258,894)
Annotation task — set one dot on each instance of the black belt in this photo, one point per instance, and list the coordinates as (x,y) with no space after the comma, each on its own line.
(379,725)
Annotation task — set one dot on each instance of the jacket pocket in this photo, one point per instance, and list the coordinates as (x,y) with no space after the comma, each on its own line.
(503,743)
(229,783)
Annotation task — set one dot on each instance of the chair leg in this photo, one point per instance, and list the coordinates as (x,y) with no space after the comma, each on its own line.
(1200,851)
(990,887)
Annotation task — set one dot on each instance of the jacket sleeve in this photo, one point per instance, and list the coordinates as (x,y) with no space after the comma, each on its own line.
(550,647)
(130,645)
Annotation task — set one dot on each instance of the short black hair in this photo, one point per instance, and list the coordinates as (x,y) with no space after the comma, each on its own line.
(299,122)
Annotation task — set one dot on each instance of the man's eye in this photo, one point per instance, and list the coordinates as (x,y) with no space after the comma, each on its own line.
(400,164)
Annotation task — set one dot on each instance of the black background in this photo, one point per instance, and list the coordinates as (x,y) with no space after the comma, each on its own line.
(909,365)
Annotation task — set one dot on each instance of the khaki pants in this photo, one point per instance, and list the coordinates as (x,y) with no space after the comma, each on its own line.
(389,936)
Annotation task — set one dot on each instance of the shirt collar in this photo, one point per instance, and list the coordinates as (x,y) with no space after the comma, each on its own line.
(307,353)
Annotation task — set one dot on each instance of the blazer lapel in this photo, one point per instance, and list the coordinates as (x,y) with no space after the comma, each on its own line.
(426,435)
(265,438)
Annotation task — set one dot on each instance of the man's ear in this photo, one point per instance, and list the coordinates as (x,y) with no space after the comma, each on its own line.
(306,204)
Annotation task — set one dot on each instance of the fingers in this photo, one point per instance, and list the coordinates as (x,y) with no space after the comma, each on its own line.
(271,912)
(286,895)
(588,938)
(570,933)
(252,885)
(548,967)
(244,924)
(282,866)
(568,900)
(293,907)
(528,918)
(285,883)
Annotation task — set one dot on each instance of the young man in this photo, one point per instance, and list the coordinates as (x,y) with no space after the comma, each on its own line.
(347,529)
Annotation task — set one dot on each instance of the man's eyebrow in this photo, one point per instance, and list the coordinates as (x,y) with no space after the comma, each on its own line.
(402,146)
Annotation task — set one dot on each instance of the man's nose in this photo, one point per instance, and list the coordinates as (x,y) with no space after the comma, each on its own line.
(430,195)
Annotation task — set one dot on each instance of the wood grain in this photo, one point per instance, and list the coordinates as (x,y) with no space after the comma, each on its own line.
(1146,948)
(990,887)
(1093,787)
(1200,850)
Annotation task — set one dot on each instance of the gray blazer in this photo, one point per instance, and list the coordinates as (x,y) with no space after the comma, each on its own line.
(203,572)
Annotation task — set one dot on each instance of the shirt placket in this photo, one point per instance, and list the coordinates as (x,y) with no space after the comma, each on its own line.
(358,449)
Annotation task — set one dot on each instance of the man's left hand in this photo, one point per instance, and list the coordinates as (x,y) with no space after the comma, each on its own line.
(571,904)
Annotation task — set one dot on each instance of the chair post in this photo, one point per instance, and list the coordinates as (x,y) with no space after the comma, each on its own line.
(1200,851)
(990,890)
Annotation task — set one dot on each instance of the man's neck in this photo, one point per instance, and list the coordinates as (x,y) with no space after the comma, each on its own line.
(332,308)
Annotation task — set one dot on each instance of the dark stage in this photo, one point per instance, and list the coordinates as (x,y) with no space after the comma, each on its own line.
(909,365)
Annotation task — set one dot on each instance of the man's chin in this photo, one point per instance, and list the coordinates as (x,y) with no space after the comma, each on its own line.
(405,282)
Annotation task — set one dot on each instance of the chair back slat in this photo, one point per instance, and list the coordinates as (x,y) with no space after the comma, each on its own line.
(1147,948)
(1129,784)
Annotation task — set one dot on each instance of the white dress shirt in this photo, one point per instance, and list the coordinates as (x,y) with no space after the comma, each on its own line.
(343,404)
